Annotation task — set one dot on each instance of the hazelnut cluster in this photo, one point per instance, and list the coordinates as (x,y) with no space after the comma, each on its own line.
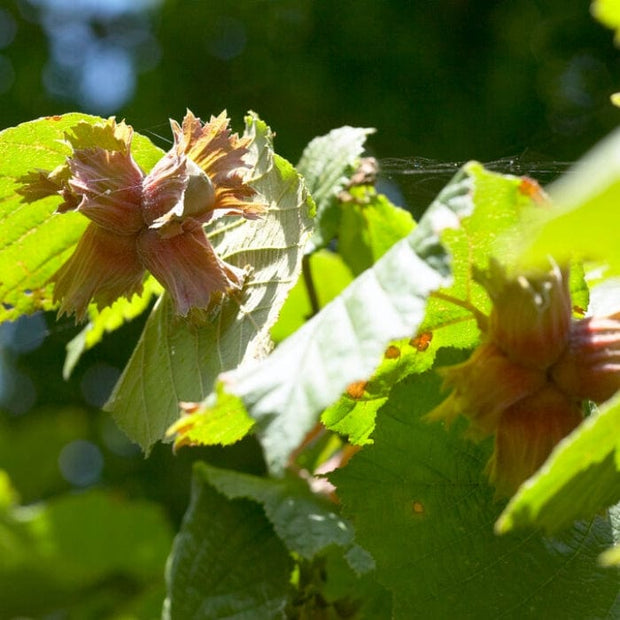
(528,380)
(147,222)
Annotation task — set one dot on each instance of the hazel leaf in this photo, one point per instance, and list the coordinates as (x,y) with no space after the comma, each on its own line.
(369,226)
(306,522)
(330,275)
(497,203)
(35,242)
(228,547)
(584,211)
(286,392)
(608,13)
(326,165)
(422,508)
(178,360)
(107,320)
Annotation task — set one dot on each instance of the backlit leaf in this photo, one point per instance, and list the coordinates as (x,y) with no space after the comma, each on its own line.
(107,320)
(343,343)
(330,276)
(585,219)
(608,13)
(497,202)
(369,226)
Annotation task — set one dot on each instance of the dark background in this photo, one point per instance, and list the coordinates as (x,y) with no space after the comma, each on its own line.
(447,81)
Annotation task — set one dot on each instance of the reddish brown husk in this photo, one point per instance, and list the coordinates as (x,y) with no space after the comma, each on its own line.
(527,381)
(148,222)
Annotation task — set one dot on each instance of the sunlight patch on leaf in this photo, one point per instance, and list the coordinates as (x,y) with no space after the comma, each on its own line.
(219,419)
(107,320)
(608,13)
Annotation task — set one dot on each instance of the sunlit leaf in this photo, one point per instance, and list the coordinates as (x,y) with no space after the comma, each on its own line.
(580,478)
(220,419)
(226,561)
(326,165)
(178,360)
(343,343)
(329,275)
(497,202)
(423,509)
(8,495)
(369,226)
(34,242)
(585,218)
(608,13)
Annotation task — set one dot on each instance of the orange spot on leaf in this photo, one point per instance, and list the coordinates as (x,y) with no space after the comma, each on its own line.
(418,508)
(422,341)
(530,188)
(56,117)
(356,389)
(392,352)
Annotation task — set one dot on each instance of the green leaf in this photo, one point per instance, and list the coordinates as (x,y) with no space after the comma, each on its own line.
(422,508)
(73,545)
(585,212)
(580,478)
(34,242)
(226,561)
(344,342)
(354,413)
(177,360)
(497,203)
(370,225)
(107,320)
(306,523)
(608,13)
(326,165)
(330,276)
(219,419)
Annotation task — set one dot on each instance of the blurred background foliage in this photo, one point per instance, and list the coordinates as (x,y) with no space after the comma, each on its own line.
(523,84)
